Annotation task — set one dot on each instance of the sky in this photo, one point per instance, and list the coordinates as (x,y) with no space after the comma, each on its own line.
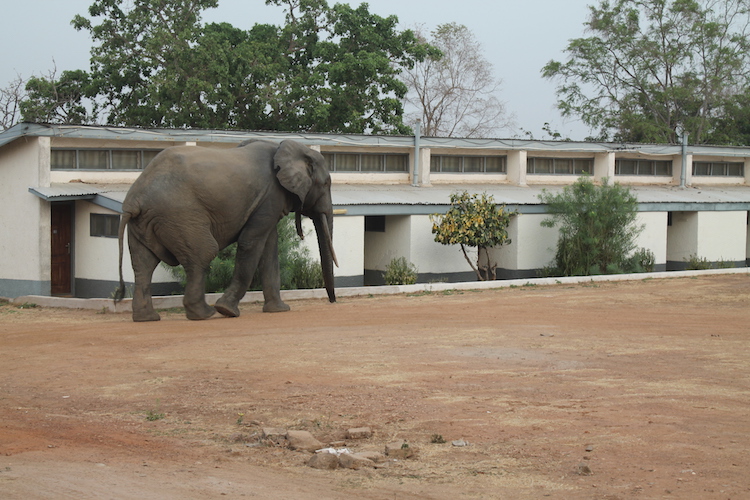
(518,38)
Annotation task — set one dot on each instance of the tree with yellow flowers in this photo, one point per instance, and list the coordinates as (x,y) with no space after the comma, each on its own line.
(474,220)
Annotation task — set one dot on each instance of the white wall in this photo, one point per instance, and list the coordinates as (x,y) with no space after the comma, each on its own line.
(96,258)
(713,236)
(430,256)
(532,246)
(654,234)
(25,244)
(722,235)
(682,236)
(348,242)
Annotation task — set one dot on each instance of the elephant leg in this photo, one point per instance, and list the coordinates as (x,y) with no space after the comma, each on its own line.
(249,252)
(144,263)
(196,268)
(270,275)
(196,307)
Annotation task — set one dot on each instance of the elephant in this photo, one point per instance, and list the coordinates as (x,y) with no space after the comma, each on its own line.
(191,201)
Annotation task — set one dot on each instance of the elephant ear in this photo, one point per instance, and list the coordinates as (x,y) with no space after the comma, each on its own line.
(294,164)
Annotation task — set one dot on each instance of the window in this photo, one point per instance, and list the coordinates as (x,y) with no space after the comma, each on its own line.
(104,225)
(366,162)
(375,223)
(631,166)
(468,164)
(719,168)
(102,159)
(559,166)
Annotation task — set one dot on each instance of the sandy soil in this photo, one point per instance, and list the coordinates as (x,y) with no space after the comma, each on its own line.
(644,384)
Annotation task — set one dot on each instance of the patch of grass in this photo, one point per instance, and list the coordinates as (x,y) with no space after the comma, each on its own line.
(27,305)
(155,414)
(437,439)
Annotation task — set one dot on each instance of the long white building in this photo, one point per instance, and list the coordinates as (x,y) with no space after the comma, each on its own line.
(61,190)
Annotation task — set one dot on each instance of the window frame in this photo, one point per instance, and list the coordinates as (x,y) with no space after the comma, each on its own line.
(726,165)
(461,163)
(334,159)
(104,225)
(573,167)
(647,167)
(144,157)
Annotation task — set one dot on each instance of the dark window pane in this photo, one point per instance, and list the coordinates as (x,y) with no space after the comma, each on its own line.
(495,164)
(397,163)
(93,159)
(451,164)
(127,160)
(63,159)
(371,163)
(346,162)
(473,164)
(626,167)
(662,168)
(701,168)
(735,169)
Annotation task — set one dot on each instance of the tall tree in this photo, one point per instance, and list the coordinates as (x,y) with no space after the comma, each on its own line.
(652,68)
(141,62)
(454,89)
(58,100)
(328,69)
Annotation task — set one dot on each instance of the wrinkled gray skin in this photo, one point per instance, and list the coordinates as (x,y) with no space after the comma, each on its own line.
(190,202)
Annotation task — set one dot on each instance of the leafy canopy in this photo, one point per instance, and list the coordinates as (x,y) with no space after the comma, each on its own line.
(474,220)
(598,228)
(328,69)
(653,68)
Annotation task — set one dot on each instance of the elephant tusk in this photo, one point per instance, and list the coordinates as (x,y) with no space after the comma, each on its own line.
(329,239)
(333,254)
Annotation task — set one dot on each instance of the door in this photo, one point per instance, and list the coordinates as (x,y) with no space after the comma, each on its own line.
(62,218)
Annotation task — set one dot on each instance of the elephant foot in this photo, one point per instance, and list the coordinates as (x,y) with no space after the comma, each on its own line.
(199,313)
(146,316)
(275,306)
(227,309)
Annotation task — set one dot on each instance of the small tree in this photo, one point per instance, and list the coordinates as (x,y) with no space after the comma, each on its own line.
(474,220)
(597,227)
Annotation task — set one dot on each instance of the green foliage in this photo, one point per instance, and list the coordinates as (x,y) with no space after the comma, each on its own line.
(695,263)
(597,229)
(642,261)
(474,220)
(652,67)
(297,269)
(328,69)
(53,100)
(400,271)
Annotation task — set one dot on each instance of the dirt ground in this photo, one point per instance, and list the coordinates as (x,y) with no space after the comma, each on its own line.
(598,391)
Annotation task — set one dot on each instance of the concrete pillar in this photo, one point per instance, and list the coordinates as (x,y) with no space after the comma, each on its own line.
(516,167)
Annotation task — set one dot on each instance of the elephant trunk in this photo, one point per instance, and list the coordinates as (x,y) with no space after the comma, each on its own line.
(324,228)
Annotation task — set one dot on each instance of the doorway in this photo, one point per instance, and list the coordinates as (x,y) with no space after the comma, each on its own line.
(62,248)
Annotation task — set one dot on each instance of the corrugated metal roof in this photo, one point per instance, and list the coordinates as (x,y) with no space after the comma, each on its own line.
(404,199)
(359,140)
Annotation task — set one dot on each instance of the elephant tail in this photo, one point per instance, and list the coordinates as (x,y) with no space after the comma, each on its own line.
(120,292)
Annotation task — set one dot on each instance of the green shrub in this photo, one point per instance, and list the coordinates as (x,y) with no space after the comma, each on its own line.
(400,272)
(695,263)
(642,261)
(597,228)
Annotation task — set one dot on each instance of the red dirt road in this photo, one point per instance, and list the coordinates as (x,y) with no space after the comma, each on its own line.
(644,384)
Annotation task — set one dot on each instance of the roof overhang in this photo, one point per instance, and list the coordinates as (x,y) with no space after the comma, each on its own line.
(106,196)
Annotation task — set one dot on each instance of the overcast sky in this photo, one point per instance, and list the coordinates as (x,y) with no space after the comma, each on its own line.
(518,38)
